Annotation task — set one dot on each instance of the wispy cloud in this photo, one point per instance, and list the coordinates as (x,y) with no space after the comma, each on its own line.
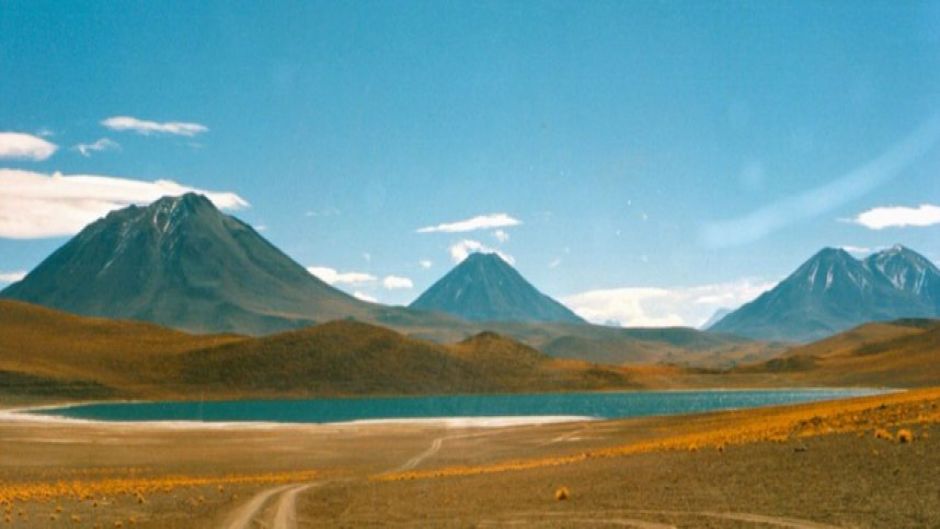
(501,236)
(22,146)
(460,250)
(857,250)
(103,144)
(899,216)
(663,307)
(397,282)
(811,203)
(331,276)
(480,222)
(146,127)
(11,277)
(425,263)
(36,205)
(324,212)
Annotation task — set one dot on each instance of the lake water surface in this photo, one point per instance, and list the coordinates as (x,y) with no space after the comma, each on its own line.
(608,405)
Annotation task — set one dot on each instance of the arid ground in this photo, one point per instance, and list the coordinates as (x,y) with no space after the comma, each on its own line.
(834,464)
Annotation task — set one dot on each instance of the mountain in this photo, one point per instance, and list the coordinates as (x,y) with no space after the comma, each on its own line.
(833,291)
(909,272)
(484,287)
(181,263)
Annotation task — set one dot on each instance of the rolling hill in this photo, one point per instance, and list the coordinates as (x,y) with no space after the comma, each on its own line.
(51,353)
(903,353)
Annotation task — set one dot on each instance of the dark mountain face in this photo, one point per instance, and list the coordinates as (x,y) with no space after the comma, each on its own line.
(834,291)
(180,262)
(485,288)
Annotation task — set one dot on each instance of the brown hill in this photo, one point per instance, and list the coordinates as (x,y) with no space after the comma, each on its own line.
(49,353)
(903,353)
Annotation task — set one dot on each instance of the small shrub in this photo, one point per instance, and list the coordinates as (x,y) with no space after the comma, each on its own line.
(562,494)
(881,433)
(905,436)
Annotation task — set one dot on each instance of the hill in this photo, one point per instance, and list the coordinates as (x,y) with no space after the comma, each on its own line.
(484,287)
(49,353)
(833,292)
(900,353)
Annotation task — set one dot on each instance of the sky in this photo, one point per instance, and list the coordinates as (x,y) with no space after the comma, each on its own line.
(644,162)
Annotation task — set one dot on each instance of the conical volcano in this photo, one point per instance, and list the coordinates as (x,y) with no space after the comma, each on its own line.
(182,263)
(484,287)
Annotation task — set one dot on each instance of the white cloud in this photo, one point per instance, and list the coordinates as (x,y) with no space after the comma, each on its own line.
(663,307)
(501,236)
(11,277)
(393,282)
(425,263)
(858,250)
(554,262)
(899,217)
(364,297)
(103,144)
(21,146)
(145,127)
(260,228)
(765,220)
(331,276)
(37,205)
(462,249)
(481,222)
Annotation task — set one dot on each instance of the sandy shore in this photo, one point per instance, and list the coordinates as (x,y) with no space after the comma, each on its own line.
(750,468)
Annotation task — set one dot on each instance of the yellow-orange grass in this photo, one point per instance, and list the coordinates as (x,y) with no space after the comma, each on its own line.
(767,424)
(90,488)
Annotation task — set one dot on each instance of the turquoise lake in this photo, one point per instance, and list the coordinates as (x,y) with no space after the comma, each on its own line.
(598,405)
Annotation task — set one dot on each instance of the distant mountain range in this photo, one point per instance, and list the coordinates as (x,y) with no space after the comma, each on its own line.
(833,291)
(181,263)
(484,287)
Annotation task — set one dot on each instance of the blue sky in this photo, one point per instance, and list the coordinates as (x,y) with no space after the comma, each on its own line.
(667,158)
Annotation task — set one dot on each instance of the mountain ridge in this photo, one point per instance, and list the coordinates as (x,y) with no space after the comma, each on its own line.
(833,291)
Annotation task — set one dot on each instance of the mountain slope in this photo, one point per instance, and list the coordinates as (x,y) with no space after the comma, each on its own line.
(180,262)
(833,291)
(484,287)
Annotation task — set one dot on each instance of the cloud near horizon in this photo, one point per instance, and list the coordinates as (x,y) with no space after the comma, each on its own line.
(460,250)
(146,127)
(12,277)
(362,296)
(331,276)
(37,205)
(899,217)
(393,282)
(22,146)
(480,222)
(663,307)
